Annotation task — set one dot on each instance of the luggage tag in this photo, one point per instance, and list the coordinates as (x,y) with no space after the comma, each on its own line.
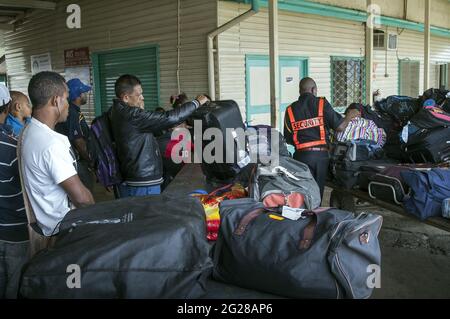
(292,213)
(285,172)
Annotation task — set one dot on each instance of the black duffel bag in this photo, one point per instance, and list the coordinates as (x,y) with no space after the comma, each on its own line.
(141,247)
(328,254)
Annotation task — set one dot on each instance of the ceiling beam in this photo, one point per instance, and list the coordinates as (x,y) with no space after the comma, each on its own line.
(10,12)
(28,4)
(6,27)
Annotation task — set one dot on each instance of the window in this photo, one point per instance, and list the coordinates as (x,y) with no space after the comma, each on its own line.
(3,79)
(443,76)
(348,81)
(378,40)
(409,77)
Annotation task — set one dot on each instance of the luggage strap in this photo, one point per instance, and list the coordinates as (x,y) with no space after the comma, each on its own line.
(308,232)
(37,239)
(307,124)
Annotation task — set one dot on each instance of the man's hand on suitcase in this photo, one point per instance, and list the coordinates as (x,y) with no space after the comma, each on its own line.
(202,99)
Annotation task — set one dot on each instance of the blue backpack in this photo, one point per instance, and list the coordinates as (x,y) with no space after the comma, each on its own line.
(428,191)
(102,152)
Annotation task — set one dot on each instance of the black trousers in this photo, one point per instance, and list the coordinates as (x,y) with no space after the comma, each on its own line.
(318,163)
(85,175)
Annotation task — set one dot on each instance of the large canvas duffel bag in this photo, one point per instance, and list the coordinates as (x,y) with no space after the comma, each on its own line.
(428,190)
(140,247)
(327,254)
(288,177)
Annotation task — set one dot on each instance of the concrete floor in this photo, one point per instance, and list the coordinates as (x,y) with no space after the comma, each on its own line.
(415,256)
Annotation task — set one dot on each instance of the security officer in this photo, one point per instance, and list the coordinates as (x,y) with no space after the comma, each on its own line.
(77,130)
(306,126)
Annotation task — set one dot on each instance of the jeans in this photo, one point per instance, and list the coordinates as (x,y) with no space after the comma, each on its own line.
(132,191)
(13,256)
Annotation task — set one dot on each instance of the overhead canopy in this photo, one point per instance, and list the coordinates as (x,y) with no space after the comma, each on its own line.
(12,11)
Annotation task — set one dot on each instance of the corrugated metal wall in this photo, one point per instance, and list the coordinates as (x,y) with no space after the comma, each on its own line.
(299,35)
(117,24)
(317,38)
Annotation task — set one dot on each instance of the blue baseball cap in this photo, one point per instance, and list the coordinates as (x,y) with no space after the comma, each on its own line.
(76,88)
(429,102)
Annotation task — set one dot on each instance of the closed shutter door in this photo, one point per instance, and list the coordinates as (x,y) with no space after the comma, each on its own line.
(405,76)
(409,78)
(142,62)
(415,79)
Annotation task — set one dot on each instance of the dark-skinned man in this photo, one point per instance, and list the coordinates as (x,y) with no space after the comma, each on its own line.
(307,124)
(77,130)
(48,162)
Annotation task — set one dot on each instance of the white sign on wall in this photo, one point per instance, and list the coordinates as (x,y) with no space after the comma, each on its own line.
(41,62)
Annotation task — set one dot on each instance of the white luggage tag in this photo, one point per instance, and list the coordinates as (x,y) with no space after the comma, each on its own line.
(292,213)
(285,172)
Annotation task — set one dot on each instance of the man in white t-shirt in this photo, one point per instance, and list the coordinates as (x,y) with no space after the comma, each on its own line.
(49,165)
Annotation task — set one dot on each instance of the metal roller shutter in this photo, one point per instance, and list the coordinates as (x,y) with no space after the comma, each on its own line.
(141,62)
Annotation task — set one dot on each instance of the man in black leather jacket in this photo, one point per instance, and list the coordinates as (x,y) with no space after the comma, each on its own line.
(133,130)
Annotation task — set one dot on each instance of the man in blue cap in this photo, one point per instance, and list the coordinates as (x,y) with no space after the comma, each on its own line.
(77,130)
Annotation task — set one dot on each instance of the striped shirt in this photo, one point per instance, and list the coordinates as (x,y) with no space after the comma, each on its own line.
(360,128)
(13,218)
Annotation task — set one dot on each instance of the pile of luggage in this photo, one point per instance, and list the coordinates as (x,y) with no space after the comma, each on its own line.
(412,167)
(273,238)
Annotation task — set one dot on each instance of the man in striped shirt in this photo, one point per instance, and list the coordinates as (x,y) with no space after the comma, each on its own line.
(13,219)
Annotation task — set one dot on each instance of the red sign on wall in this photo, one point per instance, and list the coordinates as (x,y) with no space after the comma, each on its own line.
(77,57)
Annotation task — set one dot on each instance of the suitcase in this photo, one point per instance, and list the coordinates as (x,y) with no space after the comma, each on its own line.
(389,186)
(139,247)
(356,150)
(346,173)
(324,254)
(225,116)
(429,146)
(367,171)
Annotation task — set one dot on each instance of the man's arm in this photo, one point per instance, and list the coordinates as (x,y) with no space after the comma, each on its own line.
(79,195)
(335,121)
(157,121)
(288,130)
(80,145)
(350,116)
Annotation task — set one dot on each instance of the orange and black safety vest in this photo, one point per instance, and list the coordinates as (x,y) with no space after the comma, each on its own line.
(308,124)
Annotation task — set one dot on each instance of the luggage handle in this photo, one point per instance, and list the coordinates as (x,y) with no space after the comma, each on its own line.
(308,232)
(247,219)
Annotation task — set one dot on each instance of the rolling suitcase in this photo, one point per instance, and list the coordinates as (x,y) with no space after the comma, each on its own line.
(225,116)
(367,171)
(388,185)
(429,146)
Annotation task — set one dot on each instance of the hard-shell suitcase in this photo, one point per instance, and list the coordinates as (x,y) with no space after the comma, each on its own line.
(226,117)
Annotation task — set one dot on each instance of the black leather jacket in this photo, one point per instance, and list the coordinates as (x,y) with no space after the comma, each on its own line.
(137,148)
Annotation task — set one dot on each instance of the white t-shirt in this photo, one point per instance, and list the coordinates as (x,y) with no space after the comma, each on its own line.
(47,161)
